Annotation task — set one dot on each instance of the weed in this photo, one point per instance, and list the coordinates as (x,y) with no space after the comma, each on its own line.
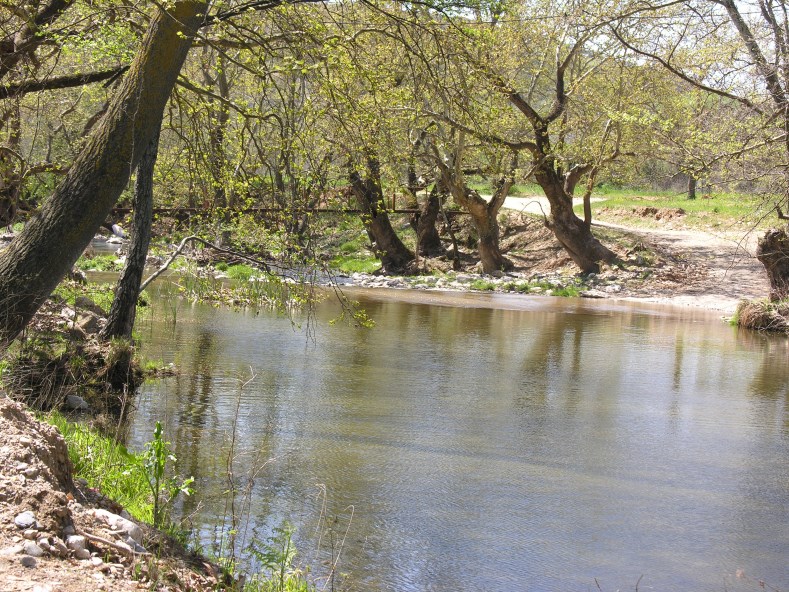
(103,262)
(106,465)
(275,559)
(483,285)
(164,490)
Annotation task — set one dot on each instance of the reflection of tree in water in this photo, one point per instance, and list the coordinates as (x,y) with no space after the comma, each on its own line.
(771,378)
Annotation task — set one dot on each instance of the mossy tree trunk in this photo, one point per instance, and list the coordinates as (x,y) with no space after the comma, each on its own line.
(45,251)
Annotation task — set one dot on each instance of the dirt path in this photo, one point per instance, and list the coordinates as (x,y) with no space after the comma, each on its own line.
(727,270)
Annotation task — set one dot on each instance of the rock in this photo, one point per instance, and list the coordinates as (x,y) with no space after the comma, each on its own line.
(25,520)
(89,322)
(32,549)
(96,561)
(13,550)
(30,534)
(28,561)
(75,402)
(120,524)
(42,588)
(58,547)
(82,554)
(593,294)
(68,531)
(76,542)
(30,472)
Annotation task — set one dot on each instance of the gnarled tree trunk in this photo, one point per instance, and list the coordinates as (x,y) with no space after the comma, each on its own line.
(394,255)
(573,233)
(45,251)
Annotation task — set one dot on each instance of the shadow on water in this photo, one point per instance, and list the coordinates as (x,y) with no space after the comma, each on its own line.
(487,443)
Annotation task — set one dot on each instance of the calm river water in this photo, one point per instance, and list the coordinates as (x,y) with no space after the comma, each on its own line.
(487,443)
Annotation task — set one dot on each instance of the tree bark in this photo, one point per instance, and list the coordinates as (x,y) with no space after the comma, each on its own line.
(483,215)
(574,235)
(691,187)
(428,240)
(45,251)
(394,255)
(120,321)
(773,253)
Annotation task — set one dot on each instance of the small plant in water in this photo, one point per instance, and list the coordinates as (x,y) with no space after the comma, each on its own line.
(275,558)
(164,490)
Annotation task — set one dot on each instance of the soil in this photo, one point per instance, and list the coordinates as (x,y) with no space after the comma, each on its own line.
(36,476)
(669,266)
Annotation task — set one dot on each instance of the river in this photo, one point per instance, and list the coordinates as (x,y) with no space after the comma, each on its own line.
(484,442)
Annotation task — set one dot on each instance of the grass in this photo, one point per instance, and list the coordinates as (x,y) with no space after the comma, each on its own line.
(101,294)
(98,262)
(106,465)
(355,263)
(716,211)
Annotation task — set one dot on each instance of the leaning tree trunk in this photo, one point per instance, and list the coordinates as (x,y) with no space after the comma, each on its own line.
(123,311)
(394,255)
(574,235)
(45,251)
(773,253)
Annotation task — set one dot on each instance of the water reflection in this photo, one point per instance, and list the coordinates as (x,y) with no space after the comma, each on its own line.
(485,448)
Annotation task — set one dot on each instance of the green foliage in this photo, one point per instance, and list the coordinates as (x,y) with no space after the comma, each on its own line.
(241,272)
(483,285)
(106,465)
(102,262)
(164,490)
(277,570)
(101,294)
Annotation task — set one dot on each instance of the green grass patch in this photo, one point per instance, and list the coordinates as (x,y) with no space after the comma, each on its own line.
(101,294)
(483,285)
(107,465)
(241,272)
(102,262)
(719,211)
(355,264)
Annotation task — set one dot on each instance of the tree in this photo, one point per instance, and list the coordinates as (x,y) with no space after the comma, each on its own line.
(50,244)
(120,320)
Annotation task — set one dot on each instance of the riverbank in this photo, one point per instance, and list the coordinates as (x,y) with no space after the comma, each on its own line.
(676,267)
(58,535)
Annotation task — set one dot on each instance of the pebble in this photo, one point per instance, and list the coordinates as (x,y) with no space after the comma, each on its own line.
(96,561)
(82,554)
(13,550)
(30,534)
(25,440)
(59,547)
(28,561)
(42,588)
(25,520)
(76,542)
(30,473)
(32,549)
